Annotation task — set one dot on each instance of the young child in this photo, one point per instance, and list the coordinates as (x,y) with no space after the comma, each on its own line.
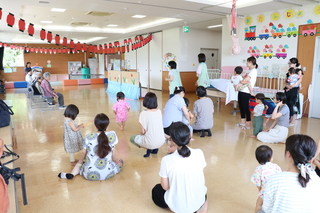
(185,120)
(269,107)
(257,115)
(173,78)
(236,78)
(292,78)
(73,140)
(121,109)
(263,172)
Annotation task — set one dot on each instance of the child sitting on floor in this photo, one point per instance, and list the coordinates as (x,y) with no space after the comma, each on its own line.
(263,172)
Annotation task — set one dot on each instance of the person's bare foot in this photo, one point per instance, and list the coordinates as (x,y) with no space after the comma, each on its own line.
(191,139)
(253,136)
(74,162)
(121,128)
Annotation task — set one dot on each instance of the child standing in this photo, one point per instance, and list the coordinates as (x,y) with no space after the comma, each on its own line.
(73,140)
(202,72)
(257,115)
(263,172)
(121,109)
(173,77)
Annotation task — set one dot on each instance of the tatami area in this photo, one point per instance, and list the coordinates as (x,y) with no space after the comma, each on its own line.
(229,155)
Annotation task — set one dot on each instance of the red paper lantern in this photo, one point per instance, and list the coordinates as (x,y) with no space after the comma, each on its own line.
(57,39)
(90,48)
(27,49)
(43,34)
(59,51)
(73,51)
(105,48)
(22,25)
(5,44)
(71,44)
(36,50)
(50,51)
(95,49)
(45,51)
(32,49)
(0,44)
(78,47)
(31,29)
(64,41)
(84,47)
(0,13)
(10,20)
(23,48)
(12,46)
(41,50)
(110,45)
(64,50)
(68,50)
(54,51)
(49,36)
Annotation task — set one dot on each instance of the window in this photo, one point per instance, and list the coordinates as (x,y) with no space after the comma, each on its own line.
(12,58)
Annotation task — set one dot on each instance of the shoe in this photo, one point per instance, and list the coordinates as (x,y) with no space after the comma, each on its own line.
(245,127)
(50,104)
(154,151)
(209,132)
(62,107)
(202,133)
(147,153)
(240,124)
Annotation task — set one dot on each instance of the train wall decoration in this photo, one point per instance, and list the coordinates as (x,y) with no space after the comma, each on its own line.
(278,31)
(268,52)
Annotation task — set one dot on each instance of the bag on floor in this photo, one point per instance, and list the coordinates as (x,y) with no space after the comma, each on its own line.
(4,198)
(5,112)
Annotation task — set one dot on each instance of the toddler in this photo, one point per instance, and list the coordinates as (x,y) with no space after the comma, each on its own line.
(185,120)
(257,115)
(73,140)
(293,77)
(263,172)
(237,78)
(121,109)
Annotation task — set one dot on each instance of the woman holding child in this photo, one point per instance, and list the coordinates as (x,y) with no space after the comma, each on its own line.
(278,131)
(244,95)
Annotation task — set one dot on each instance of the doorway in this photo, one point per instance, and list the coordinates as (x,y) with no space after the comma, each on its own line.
(314,110)
(212,56)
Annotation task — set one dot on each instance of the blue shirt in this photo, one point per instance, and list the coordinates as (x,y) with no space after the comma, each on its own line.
(173,110)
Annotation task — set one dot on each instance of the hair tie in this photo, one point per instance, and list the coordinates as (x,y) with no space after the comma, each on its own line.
(305,169)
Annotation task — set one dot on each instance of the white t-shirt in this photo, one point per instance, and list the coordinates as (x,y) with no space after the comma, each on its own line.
(28,79)
(186,180)
(253,74)
(283,194)
(258,109)
(235,79)
(152,123)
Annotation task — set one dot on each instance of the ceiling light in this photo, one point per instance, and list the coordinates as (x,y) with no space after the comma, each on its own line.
(214,26)
(61,10)
(46,22)
(228,4)
(112,25)
(138,16)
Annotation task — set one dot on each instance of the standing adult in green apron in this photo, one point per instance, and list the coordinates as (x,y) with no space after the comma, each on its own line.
(202,72)
(173,77)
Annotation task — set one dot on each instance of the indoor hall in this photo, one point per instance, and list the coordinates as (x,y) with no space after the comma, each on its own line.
(229,154)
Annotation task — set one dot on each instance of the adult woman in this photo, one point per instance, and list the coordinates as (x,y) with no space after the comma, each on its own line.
(99,160)
(278,131)
(173,77)
(175,108)
(48,92)
(244,95)
(182,187)
(202,72)
(27,67)
(292,91)
(203,109)
(297,189)
(151,135)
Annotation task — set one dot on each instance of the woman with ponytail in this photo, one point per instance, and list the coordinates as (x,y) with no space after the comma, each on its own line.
(182,187)
(297,189)
(98,160)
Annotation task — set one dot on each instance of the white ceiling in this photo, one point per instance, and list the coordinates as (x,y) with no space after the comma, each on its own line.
(161,14)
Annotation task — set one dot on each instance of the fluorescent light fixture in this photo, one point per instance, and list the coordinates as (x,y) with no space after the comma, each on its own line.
(228,4)
(138,16)
(61,10)
(46,22)
(214,26)
(112,25)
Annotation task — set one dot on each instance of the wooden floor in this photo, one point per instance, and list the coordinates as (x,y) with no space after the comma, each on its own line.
(229,154)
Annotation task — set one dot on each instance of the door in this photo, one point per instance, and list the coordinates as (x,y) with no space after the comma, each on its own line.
(142,65)
(155,55)
(315,86)
(212,58)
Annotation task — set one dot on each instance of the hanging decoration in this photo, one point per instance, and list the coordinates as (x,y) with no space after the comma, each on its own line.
(49,37)
(31,29)
(84,47)
(235,49)
(0,13)
(64,42)
(57,39)
(78,46)
(43,34)
(71,44)
(289,14)
(10,20)
(22,25)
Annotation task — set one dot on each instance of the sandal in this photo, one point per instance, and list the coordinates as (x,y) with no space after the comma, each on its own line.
(245,127)
(240,124)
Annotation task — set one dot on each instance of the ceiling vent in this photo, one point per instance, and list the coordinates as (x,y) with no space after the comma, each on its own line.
(96,13)
(44,2)
(80,24)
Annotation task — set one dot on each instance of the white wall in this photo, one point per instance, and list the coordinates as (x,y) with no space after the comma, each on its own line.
(171,43)
(192,42)
(235,60)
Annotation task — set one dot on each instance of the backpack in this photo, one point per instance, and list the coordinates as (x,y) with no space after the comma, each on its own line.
(5,112)
(4,204)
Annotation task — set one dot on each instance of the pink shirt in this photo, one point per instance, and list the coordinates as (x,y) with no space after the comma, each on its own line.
(121,109)
(47,89)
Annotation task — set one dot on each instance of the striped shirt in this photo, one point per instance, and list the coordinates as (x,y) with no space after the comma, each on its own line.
(283,193)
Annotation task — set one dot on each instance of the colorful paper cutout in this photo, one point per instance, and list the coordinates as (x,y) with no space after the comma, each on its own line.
(275,16)
(288,14)
(260,18)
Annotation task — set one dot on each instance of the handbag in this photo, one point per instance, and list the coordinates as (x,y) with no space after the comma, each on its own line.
(5,113)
